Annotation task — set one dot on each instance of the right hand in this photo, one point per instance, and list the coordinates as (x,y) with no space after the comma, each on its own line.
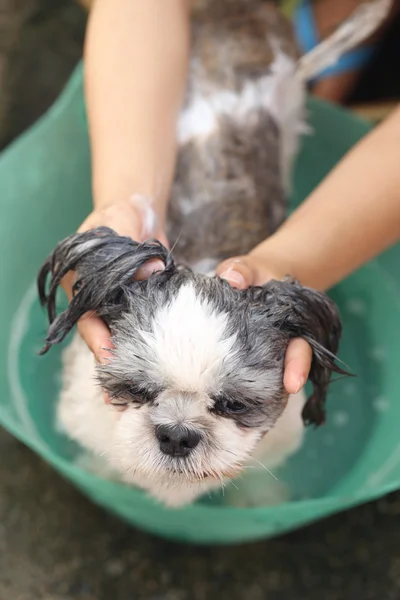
(127,219)
(255,269)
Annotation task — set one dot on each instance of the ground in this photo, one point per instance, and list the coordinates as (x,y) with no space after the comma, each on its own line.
(54,544)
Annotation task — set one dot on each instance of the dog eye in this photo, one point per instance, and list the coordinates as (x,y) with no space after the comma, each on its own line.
(229,406)
(118,404)
(136,397)
(139,395)
(130,393)
(234,406)
(137,400)
(127,395)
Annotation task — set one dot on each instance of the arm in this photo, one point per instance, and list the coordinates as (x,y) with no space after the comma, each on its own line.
(136,61)
(136,57)
(351,217)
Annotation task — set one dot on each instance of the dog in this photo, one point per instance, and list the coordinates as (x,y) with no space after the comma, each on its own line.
(196,374)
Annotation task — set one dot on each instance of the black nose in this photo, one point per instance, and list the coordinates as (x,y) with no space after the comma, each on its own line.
(176,440)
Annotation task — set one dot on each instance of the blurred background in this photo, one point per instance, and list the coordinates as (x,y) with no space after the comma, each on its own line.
(41,42)
(54,544)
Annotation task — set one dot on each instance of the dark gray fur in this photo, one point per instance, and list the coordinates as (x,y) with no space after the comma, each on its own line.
(232,179)
(264,319)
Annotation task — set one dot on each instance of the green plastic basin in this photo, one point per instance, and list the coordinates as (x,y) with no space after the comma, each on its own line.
(45,194)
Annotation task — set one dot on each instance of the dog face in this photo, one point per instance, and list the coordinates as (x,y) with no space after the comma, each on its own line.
(197,382)
(196,374)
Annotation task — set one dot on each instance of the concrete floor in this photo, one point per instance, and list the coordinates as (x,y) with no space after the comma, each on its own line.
(55,545)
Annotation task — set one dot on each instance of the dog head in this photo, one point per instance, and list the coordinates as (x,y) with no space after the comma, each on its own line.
(197,366)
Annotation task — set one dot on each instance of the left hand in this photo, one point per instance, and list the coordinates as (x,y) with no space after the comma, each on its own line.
(127,219)
(244,271)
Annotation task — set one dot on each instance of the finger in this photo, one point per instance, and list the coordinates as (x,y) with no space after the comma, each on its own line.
(297,365)
(97,336)
(236,272)
(93,329)
(67,283)
(152,266)
(245,271)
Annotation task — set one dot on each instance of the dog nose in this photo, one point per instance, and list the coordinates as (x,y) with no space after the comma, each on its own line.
(176,440)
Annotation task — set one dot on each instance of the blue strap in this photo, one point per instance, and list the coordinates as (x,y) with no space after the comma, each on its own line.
(305,26)
(351,61)
(307,37)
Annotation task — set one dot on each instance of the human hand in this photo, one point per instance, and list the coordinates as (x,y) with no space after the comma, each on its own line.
(255,269)
(135,219)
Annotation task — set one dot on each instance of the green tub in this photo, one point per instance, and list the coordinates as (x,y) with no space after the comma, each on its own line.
(45,194)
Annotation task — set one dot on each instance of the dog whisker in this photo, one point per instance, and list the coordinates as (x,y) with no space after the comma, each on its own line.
(266,469)
(175,244)
(109,448)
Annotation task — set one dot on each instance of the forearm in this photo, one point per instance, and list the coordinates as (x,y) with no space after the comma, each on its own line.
(135,71)
(350,218)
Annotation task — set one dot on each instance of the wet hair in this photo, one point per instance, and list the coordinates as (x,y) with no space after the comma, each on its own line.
(106,264)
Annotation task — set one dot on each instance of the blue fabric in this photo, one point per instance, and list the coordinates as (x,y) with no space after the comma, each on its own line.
(352,61)
(305,26)
(307,37)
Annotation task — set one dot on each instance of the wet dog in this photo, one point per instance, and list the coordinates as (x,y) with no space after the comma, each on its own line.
(196,375)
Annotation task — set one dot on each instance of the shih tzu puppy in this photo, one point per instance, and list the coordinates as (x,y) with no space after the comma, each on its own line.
(195,379)
(196,375)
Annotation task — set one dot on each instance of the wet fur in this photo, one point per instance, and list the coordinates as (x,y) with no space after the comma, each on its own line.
(276,312)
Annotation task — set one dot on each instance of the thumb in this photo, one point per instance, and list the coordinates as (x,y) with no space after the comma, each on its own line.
(242,272)
(237,272)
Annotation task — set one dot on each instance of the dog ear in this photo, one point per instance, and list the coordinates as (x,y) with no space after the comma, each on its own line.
(105,265)
(302,312)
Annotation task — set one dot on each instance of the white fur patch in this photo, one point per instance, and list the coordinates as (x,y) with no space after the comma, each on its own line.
(82,412)
(287,102)
(198,120)
(189,341)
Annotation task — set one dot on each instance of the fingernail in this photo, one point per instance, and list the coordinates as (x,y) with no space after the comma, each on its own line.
(100,361)
(300,384)
(104,357)
(234,278)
